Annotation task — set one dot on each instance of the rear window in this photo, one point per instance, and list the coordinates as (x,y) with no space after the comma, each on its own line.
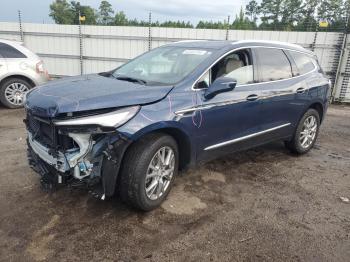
(304,62)
(273,64)
(7,51)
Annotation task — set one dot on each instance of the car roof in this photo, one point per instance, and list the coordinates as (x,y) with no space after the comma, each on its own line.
(211,44)
(20,47)
(11,42)
(218,44)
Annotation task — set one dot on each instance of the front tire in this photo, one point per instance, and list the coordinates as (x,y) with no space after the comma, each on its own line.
(12,92)
(148,171)
(306,133)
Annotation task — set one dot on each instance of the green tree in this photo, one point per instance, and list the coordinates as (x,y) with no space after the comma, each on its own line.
(297,14)
(308,14)
(121,19)
(211,25)
(85,10)
(331,10)
(178,24)
(242,22)
(271,12)
(291,12)
(252,9)
(106,13)
(61,12)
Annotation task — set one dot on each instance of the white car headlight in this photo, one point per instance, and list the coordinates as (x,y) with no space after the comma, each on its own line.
(111,119)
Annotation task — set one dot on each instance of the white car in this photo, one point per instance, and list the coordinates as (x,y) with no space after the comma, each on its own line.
(20,70)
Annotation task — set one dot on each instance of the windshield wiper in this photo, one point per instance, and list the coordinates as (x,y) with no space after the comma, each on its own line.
(132,79)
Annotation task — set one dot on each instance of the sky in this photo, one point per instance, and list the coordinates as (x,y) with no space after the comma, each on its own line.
(37,11)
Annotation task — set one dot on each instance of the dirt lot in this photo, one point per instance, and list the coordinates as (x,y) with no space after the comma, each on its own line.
(260,205)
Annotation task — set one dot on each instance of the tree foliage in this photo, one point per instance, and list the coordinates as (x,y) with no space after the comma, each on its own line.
(63,12)
(120,19)
(106,13)
(242,22)
(268,15)
(298,14)
(85,10)
(252,10)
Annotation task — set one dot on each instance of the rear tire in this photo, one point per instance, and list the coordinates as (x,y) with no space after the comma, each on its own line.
(306,133)
(142,168)
(12,92)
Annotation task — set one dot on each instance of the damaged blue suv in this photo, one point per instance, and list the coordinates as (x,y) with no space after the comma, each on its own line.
(131,129)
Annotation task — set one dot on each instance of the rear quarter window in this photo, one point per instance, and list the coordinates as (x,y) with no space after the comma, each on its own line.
(7,51)
(303,62)
(273,64)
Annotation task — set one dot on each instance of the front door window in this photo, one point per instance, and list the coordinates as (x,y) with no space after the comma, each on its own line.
(237,65)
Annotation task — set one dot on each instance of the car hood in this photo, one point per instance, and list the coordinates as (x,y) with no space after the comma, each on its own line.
(90,92)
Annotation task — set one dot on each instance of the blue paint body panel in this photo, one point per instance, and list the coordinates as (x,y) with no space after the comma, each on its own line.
(225,117)
(90,92)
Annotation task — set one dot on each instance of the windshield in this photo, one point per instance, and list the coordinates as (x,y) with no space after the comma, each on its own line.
(165,65)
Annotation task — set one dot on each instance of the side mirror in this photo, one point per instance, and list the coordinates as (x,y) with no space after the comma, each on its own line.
(220,85)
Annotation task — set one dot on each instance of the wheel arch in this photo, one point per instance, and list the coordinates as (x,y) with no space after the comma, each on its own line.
(25,78)
(183,143)
(186,149)
(319,108)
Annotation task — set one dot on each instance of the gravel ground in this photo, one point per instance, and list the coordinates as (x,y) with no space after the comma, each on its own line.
(260,205)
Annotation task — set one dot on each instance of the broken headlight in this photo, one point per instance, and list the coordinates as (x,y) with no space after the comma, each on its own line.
(111,119)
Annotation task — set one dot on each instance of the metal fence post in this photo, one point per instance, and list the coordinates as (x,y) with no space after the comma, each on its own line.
(345,81)
(227,27)
(80,47)
(20,25)
(150,31)
(313,45)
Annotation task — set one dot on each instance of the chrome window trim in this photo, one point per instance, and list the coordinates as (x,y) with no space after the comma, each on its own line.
(245,137)
(247,47)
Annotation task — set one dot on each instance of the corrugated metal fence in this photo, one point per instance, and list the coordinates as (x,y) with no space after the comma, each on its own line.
(101,48)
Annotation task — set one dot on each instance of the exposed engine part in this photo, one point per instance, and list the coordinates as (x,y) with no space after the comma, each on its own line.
(90,161)
(82,167)
(85,144)
(58,161)
(77,173)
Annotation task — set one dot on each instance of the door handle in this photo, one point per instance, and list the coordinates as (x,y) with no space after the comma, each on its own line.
(252,97)
(301,90)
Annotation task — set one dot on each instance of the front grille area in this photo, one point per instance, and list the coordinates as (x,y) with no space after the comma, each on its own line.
(42,130)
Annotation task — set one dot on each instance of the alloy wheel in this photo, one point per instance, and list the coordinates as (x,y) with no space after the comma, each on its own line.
(159,173)
(15,92)
(308,133)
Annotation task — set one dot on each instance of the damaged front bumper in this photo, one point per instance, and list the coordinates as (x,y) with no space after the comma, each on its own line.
(58,161)
(79,148)
(94,161)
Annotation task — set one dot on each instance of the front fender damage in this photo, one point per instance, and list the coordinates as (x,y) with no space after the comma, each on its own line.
(94,162)
(113,152)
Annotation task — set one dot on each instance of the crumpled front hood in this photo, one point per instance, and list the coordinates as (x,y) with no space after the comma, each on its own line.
(90,92)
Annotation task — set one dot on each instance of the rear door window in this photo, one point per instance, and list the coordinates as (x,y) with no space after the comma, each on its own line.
(304,62)
(7,51)
(273,64)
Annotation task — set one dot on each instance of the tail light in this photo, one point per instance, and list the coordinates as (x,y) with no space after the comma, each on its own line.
(40,69)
